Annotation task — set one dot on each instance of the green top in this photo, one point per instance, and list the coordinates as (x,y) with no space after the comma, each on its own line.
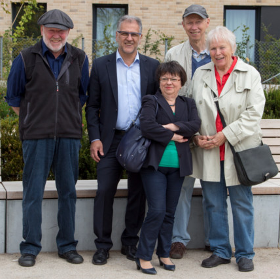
(170,157)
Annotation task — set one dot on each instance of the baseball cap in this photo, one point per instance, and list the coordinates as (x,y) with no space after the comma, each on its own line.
(195,9)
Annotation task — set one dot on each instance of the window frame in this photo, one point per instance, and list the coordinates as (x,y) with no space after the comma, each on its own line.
(94,14)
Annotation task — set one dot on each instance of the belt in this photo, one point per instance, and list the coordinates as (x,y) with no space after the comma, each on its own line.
(119,132)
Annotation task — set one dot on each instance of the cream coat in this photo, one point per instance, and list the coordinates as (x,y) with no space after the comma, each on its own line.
(183,54)
(241,103)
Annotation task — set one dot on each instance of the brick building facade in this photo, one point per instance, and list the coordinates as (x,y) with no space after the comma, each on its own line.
(162,15)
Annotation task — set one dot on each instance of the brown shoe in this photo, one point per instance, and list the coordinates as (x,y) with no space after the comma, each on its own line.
(177,250)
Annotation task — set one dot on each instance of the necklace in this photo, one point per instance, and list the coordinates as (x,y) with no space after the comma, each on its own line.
(172,105)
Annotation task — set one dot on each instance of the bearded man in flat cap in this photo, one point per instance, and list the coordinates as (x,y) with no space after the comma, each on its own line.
(47,88)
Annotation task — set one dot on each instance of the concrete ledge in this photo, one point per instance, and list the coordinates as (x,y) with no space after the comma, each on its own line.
(270,187)
(266,203)
(2,218)
(88,188)
(84,188)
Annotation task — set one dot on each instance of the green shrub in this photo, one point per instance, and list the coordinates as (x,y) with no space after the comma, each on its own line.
(12,163)
(272,105)
(87,166)
(5,109)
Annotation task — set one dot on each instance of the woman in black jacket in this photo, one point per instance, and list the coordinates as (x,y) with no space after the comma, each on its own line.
(169,121)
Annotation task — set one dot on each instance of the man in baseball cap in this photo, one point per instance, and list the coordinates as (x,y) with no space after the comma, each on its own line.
(191,54)
(47,88)
(195,9)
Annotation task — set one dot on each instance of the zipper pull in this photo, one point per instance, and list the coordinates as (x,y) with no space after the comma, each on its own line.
(57,87)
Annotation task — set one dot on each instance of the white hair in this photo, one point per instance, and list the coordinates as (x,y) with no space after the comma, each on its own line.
(221,33)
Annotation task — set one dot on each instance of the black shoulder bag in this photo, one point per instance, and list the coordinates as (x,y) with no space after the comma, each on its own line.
(253,165)
(133,147)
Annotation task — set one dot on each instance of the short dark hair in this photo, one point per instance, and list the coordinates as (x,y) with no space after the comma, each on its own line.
(173,68)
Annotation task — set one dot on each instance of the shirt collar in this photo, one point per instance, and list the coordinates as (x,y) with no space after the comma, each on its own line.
(119,58)
(45,48)
(205,51)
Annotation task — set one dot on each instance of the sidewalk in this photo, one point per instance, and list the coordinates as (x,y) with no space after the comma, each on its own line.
(49,266)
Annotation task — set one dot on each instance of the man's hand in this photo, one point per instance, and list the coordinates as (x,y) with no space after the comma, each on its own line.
(95,148)
(16,110)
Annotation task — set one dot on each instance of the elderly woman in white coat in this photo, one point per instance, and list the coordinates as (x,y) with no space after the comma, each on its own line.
(241,100)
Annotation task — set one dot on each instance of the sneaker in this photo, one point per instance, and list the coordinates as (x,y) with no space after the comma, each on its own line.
(177,250)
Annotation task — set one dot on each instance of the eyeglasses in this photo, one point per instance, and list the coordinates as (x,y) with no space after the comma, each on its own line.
(173,80)
(126,34)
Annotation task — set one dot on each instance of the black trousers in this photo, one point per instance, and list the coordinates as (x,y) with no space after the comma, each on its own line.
(109,172)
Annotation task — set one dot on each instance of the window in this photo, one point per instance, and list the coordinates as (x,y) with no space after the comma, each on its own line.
(32,29)
(254,18)
(106,16)
(236,18)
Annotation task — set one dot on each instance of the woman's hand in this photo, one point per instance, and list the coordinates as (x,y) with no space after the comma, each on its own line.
(209,142)
(179,138)
(172,127)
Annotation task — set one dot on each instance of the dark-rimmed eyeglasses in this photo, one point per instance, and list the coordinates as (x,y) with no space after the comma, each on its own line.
(126,34)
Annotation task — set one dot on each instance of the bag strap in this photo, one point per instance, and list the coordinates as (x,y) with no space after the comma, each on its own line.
(139,112)
(216,101)
(157,104)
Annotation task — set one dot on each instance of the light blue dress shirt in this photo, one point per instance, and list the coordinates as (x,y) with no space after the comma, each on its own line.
(129,91)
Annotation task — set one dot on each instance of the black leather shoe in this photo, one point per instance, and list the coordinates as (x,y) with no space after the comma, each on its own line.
(213,261)
(245,265)
(129,251)
(100,257)
(150,271)
(170,267)
(27,260)
(72,257)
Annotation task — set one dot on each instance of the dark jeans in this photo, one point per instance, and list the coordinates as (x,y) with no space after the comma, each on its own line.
(162,188)
(109,173)
(39,156)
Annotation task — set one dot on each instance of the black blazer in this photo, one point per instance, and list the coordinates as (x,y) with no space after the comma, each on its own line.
(102,104)
(186,118)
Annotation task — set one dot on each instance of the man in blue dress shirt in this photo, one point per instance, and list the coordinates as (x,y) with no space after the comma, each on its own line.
(47,88)
(117,83)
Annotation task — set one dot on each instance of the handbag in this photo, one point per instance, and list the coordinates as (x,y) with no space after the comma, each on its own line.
(133,147)
(254,165)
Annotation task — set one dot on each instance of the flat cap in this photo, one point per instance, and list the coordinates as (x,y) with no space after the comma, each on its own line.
(195,9)
(56,19)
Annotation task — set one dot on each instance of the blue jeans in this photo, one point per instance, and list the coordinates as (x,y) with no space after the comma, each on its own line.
(241,198)
(162,188)
(182,215)
(39,156)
